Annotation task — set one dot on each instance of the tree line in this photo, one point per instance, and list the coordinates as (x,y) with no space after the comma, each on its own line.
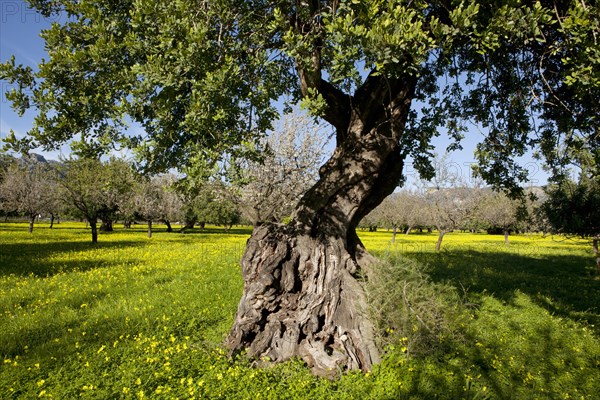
(102,191)
(460,208)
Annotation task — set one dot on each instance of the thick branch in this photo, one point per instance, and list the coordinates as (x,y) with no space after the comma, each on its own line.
(384,99)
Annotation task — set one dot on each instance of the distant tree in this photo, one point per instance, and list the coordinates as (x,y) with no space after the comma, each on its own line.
(147,200)
(96,188)
(171,204)
(6,161)
(215,205)
(402,210)
(273,185)
(191,189)
(154,199)
(574,207)
(499,212)
(448,209)
(530,214)
(448,198)
(28,190)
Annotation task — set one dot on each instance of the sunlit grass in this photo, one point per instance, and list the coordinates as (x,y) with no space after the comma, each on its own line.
(133,317)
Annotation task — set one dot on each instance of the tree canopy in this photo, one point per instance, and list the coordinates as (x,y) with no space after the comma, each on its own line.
(202,77)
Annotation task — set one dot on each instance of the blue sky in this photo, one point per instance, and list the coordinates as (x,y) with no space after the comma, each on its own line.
(19,35)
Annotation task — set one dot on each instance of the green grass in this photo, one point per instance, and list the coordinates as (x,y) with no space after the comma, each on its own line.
(139,318)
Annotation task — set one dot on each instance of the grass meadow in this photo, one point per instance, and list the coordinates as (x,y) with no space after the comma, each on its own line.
(134,318)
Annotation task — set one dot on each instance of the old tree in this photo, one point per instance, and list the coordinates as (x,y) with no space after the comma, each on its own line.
(203,78)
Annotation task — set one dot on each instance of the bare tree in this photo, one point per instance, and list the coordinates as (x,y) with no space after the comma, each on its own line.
(147,200)
(155,200)
(272,187)
(449,199)
(29,190)
(499,212)
(402,210)
(171,203)
(449,209)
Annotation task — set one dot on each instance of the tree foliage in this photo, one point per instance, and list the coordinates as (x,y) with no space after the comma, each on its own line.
(574,207)
(96,188)
(201,77)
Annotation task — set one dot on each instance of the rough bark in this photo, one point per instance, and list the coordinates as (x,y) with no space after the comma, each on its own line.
(302,295)
(149,229)
(302,299)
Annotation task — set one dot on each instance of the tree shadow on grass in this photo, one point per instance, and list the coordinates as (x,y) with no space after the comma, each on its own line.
(24,259)
(565,285)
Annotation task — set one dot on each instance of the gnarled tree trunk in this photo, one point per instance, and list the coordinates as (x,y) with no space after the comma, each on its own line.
(302,295)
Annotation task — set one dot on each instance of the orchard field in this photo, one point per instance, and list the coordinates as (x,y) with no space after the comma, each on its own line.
(132,317)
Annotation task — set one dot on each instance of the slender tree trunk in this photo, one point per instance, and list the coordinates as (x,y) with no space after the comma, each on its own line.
(302,294)
(506,231)
(94,225)
(408,230)
(51,220)
(149,229)
(394,234)
(595,246)
(169,227)
(126,224)
(31,222)
(438,245)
